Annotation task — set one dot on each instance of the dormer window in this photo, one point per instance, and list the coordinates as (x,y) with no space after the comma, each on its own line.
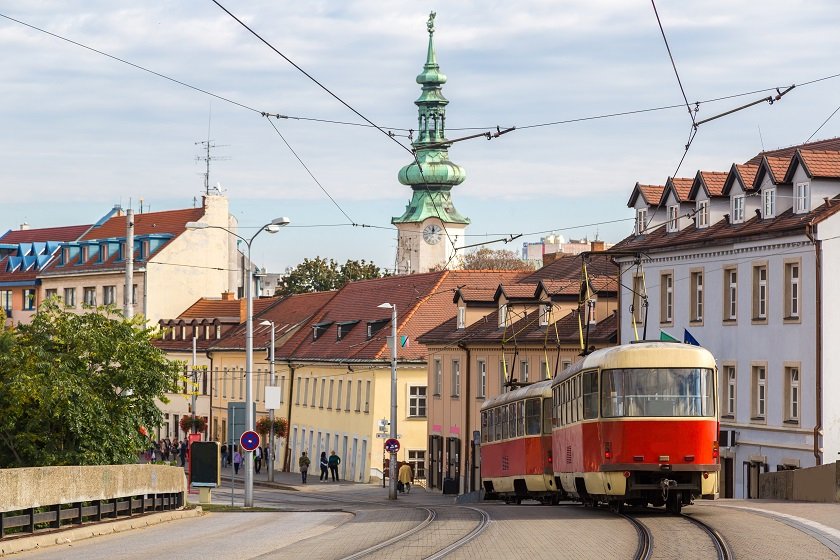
(319,328)
(343,328)
(503,314)
(373,327)
(802,199)
(738,209)
(673,217)
(703,214)
(641,220)
(545,310)
(462,318)
(768,199)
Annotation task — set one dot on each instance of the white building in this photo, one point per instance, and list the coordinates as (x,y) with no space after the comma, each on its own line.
(744,263)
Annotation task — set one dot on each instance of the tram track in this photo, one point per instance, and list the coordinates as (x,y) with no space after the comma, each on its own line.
(674,536)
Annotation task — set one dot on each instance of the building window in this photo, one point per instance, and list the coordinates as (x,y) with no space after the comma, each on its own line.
(367,396)
(638,299)
(544,371)
(306,392)
(482,378)
(673,217)
(802,198)
(6,301)
(330,399)
(340,393)
(703,214)
(792,395)
(359,395)
(323,390)
(641,220)
(462,317)
(759,397)
(759,292)
(545,312)
(438,377)
(503,376)
(315,390)
(768,198)
(29,299)
(133,294)
(503,312)
(89,296)
(738,209)
(730,294)
(666,310)
(109,295)
(456,378)
(523,371)
(792,290)
(697,296)
(417,400)
(729,396)
(51,293)
(417,462)
(69,297)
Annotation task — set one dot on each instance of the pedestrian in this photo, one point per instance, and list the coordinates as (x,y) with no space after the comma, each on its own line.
(404,477)
(237,460)
(333,462)
(257,460)
(224,454)
(182,451)
(303,462)
(325,464)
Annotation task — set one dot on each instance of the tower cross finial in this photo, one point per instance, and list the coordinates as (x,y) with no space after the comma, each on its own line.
(431,23)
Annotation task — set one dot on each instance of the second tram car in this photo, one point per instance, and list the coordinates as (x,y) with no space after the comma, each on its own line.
(637,424)
(516,445)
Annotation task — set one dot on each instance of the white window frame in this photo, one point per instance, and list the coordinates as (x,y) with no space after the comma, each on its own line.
(759,403)
(793,300)
(481,366)
(462,317)
(794,395)
(545,311)
(438,372)
(731,397)
(703,213)
(89,293)
(768,203)
(730,299)
(367,395)
(738,204)
(666,314)
(697,296)
(641,220)
(456,378)
(503,313)
(802,198)
(417,401)
(69,297)
(673,217)
(523,370)
(760,294)
(109,295)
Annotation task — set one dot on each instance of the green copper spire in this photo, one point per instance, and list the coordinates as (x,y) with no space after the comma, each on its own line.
(436,175)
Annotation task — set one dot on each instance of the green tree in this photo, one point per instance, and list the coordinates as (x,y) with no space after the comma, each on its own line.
(320,275)
(80,389)
(488,259)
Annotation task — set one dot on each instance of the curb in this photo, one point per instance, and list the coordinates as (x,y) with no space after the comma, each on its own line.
(35,542)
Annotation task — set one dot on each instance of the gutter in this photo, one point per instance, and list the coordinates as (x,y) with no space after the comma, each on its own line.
(818,428)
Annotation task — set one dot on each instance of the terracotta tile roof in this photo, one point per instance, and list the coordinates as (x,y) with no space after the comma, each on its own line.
(167,221)
(476,295)
(212,308)
(681,186)
(710,181)
(778,168)
(66,233)
(722,231)
(651,194)
(745,174)
(570,267)
(818,163)
(831,144)
(525,331)
(423,301)
(524,290)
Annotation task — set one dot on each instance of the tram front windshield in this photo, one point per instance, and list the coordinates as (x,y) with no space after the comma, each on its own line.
(657,392)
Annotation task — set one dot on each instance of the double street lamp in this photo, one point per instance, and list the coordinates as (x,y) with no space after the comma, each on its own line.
(271,227)
(392,462)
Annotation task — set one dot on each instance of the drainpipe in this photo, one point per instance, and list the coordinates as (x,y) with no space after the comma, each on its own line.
(818,428)
(287,454)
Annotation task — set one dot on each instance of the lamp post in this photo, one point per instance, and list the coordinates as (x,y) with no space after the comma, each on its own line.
(392,462)
(271,227)
(270,458)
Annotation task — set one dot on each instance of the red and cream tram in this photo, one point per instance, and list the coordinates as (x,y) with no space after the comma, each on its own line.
(637,424)
(516,445)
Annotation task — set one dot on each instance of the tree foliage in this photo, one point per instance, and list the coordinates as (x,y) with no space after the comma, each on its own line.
(489,259)
(80,389)
(321,275)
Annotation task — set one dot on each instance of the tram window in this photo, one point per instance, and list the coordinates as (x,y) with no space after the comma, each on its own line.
(546,416)
(532,417)
(520,418)
(590,395)
(497,422)
(512,420)
(657,392)
(504,411)
(484,427)
(578,399)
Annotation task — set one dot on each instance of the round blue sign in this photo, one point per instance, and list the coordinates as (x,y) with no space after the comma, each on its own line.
(392,445)
(249,440)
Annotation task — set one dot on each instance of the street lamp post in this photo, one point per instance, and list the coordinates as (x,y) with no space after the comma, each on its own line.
(272,227)
(270,458)
(392,462)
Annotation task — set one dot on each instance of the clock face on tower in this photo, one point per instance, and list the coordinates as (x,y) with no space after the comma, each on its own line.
(432,234)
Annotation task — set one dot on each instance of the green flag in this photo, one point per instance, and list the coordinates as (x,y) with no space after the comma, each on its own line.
(666,337)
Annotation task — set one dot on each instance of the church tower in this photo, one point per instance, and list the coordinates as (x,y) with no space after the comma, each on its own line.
(430,229)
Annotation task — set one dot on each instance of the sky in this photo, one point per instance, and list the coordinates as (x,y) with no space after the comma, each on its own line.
(81,132)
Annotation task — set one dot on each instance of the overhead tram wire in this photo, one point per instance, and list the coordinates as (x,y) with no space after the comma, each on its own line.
(823,124)
(673,64)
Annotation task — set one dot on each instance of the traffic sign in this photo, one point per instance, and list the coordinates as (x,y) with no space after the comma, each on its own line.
(250,440)
(392,445)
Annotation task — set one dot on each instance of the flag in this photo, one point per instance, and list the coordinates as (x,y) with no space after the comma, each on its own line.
(665,337)
(688,339)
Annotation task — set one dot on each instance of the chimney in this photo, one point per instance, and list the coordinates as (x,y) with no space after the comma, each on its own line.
(24,226)
(243,310)
(596,246)
(227,296)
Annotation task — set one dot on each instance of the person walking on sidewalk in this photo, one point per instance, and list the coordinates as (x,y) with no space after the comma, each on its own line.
(333,462)
(237,460)
(303,463)
(257,460)
(404,477)
(324,464)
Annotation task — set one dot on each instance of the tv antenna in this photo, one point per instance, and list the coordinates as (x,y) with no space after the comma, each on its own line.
(207,157)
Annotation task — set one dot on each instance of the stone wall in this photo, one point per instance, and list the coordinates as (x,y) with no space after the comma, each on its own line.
(43,486)
(813,484)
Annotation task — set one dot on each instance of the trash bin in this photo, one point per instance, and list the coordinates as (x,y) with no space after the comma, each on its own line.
(450,486)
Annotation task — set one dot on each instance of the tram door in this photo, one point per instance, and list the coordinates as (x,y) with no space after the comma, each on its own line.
(435,462)
(453,461)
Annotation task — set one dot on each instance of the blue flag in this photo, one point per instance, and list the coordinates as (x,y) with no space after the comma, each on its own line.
(688,339)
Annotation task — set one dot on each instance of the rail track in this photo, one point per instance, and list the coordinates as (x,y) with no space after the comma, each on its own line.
(674,545)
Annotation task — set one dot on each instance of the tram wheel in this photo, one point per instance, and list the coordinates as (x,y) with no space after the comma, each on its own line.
(616,506)
(674,503)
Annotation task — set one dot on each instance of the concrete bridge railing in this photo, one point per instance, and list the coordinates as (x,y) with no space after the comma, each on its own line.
(812,484)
